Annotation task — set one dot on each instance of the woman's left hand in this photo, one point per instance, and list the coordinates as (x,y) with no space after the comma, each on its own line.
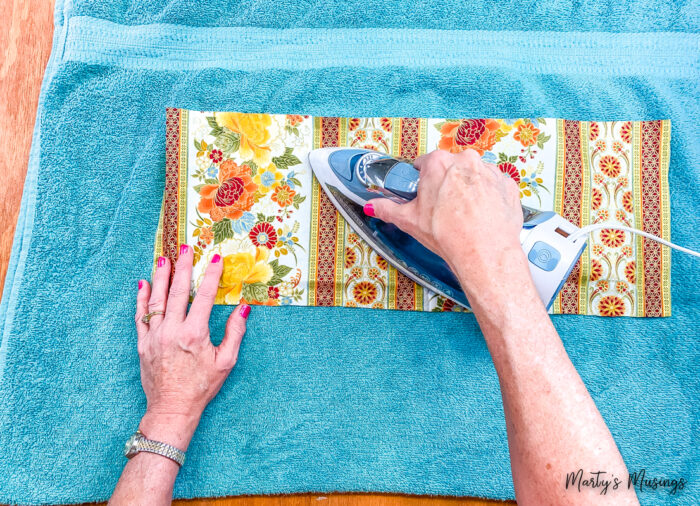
(181,370)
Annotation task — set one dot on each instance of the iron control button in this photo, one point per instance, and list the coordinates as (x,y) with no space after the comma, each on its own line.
(544,256)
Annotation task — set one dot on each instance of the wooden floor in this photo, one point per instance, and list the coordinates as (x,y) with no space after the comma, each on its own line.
(25,38)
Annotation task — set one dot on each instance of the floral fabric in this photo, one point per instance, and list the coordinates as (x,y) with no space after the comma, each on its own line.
(238,185)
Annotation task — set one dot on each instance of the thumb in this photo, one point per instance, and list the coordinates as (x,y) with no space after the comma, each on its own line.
(386,210)
(227,351)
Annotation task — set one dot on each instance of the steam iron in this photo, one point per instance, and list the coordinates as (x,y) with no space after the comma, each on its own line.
(351,177)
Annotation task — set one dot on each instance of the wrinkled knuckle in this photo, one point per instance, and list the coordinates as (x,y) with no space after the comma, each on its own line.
(225,366)
(207,292)
(179,291)
(440,155)
(471,158)
(156,303)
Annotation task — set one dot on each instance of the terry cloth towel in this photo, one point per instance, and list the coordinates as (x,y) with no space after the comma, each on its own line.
(333,398)
(239,185)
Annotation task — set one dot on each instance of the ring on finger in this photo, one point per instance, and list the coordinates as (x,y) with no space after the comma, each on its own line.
(147,317)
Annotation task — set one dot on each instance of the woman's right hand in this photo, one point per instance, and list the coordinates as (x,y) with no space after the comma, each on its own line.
(466,211)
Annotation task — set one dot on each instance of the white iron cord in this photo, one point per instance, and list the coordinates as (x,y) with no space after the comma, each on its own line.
(599,226)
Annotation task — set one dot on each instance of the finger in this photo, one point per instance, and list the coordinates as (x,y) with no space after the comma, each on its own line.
(389,211)
(439,156)
(227,351)
(179,294)
(158,299)
(206,293)
(141,309)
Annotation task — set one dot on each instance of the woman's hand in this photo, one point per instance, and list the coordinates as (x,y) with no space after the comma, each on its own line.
(467,212)
(181,371)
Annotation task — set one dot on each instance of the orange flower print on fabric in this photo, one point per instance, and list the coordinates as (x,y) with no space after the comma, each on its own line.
(350,257)
(355,273)
(611,305)
(231,196)
(447,306)
(206,235)
(382,263)
(627,202)
(631,272)
(526,134)
(626,132)
(596,198)
(295,119)
(477,134)
(596,270)
(353,123)
(385,123)
(364,292)
(594,131)
(283,195)
(610,166)
(254,134)
(612,238)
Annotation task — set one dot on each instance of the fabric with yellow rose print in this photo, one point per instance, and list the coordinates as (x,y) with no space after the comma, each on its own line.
(239,185)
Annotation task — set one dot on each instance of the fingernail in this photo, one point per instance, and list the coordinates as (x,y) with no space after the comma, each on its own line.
(140,284)
(184,248)
(369,209)
(245,311)
(161,261)
(216,258)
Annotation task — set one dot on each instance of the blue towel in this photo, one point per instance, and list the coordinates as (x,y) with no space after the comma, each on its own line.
(325,399)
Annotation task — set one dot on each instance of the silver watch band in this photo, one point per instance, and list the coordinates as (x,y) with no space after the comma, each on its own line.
(164,449)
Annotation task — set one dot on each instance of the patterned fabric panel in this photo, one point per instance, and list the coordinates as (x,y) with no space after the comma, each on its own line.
(238,185)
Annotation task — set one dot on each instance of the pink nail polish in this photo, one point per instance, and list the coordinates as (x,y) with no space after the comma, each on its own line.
(184,248)
(140,284)
(245,311)
(161,261)
(369,209)
(216,258)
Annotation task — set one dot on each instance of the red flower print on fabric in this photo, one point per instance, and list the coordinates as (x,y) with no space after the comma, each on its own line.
(510,169)
(612,238)
(610,166)
(611,305)
(263,234)
(216,155)
(364,292)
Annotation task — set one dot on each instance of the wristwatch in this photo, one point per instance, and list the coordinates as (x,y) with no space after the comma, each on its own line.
(138,443)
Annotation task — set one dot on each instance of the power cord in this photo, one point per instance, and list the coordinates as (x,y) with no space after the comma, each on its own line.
(599,226)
